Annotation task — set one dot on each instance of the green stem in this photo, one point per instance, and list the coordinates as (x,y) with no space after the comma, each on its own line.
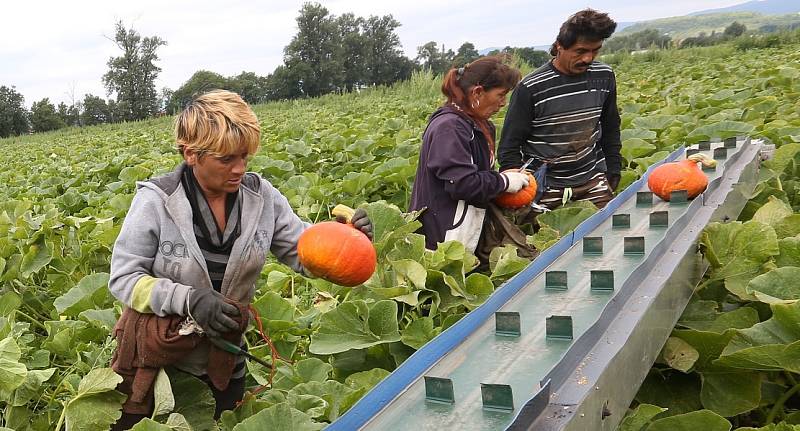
(61,418)
(778,407)
(790,377)
(32,320)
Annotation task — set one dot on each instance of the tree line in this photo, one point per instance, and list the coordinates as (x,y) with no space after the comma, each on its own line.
(327,54)
(653,39)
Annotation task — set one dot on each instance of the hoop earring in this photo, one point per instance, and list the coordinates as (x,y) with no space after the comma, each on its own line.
(476,104)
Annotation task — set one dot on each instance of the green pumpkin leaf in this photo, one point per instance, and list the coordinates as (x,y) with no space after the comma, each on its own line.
(679,354)
(12,372)
(356,325)
(773,212)
(194,400)
(638,418)
(730,393)
(777,285)
(279,417)
(419,332)
(703,420)
(90,292)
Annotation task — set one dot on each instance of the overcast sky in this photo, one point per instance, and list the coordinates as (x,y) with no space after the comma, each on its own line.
(58,49)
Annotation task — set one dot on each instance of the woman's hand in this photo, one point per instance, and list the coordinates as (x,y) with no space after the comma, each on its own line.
(361,222)
(208,308)
(515,181)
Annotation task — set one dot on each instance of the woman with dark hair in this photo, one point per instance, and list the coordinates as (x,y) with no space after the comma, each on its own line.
(456,179)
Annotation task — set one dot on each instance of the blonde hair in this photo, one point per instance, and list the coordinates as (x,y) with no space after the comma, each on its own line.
(218,123)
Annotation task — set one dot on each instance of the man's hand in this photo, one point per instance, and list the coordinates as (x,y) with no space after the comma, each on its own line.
(515,181)
(613,181)
(208,308)
(361,222)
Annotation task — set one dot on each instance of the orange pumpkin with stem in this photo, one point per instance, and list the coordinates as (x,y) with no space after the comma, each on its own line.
(521,198)
(337,252)
(681,175)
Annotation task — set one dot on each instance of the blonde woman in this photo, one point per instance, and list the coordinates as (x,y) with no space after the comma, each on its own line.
(192,247)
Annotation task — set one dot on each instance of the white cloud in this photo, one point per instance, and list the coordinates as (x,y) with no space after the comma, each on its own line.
(49,47)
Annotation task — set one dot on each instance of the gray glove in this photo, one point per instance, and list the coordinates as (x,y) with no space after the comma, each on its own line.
(515,180)
(208,308)
(360,221)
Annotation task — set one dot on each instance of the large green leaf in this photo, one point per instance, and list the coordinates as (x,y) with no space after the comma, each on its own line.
(32,385)
(679,354)
(678,392)
(12,372)
(703,420)
(164,401)
(410,270)
(789,254)
(334,393)
(366,379)
(90,292)
(97,404)
(722,129)
(568,217)
(637,419)
(779,284)
(730,393)
(504,262)
(356,325)
(306,370)
(770,345)
(194,400)
(419,332)
(772,212)
(279,417)
(38,255)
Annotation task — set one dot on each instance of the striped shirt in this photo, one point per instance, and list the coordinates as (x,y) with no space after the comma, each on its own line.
(570,121)
(215,244)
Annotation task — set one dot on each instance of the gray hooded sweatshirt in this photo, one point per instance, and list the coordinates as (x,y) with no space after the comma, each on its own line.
(156,259)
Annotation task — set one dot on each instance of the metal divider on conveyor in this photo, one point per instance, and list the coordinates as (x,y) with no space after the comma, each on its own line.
(566,343)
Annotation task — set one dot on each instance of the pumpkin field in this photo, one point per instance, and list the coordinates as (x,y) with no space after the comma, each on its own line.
(732,362)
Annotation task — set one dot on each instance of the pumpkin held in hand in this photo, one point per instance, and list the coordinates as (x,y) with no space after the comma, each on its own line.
(682,175)
(337,252)
(519,199)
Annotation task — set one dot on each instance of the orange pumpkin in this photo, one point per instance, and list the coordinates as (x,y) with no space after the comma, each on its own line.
(337,252)
(519,199)
(681,175)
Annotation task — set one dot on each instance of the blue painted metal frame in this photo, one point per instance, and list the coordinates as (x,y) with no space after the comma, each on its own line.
(414,367)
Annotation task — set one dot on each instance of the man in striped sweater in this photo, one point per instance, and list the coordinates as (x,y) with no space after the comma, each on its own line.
(565,114)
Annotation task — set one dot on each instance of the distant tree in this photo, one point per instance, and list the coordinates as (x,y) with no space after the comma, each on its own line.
(13,115)
(429,56)
(164,99)
(736,29)
(132,75)
(385,62)
(465,54)
(251,87)
(68,114)
(44,116)
(644,39)
(284,83)
(354,50)
(201,82)
(95,111)
(314,53)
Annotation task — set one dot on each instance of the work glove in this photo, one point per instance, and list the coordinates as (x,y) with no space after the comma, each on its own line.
(208,308)
(515,180)
(613,181)
(360,221)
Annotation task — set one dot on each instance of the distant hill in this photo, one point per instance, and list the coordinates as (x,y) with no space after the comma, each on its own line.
(766,7)
(680,27)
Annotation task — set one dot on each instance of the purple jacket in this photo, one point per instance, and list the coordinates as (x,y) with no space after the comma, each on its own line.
(455,179)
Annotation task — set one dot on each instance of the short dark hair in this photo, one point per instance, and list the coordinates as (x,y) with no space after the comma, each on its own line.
(587,24)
